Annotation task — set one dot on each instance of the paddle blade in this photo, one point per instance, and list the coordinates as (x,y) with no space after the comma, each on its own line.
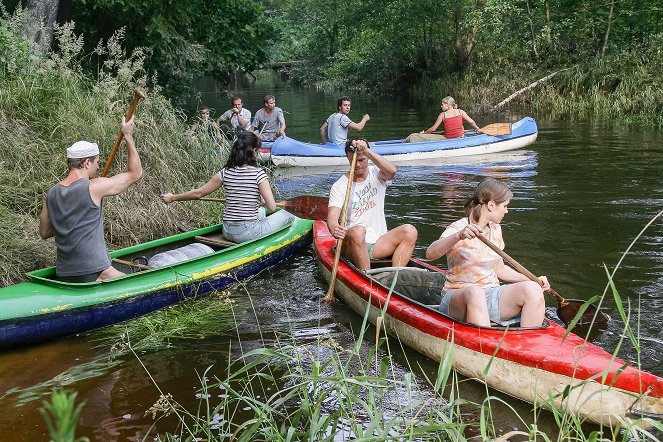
(496,129)
(306,206)
(570,308)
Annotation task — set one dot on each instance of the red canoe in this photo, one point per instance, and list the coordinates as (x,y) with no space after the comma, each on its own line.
(537,365)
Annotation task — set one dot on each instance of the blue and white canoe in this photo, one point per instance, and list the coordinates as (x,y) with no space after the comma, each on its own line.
(286,151)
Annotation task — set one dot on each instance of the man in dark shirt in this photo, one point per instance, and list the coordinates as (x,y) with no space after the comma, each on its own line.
(71,211)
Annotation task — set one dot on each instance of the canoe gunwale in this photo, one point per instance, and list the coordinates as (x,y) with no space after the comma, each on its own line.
(46,275)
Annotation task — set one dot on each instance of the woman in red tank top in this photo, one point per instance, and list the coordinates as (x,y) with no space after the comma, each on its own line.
(452,117)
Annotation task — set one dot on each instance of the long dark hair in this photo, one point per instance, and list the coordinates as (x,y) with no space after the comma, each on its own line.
(243,151)
(488,190)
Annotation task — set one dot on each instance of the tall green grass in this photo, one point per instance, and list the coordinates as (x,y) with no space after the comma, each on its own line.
(47,103)
(61,415)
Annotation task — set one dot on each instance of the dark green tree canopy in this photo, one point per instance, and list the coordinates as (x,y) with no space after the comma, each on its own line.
(185,39)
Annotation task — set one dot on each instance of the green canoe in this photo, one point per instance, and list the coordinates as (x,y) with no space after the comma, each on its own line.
(43,308)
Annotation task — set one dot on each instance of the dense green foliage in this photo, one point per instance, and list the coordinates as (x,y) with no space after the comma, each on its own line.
(483,50)
(46,103)
(183,40)
(378,44)
(186,39)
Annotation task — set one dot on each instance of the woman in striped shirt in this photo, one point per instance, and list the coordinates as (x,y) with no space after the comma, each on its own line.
(247,189)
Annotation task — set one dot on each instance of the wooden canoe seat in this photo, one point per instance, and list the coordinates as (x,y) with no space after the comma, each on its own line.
(215,240)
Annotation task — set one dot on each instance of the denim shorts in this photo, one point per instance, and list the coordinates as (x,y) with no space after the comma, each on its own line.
(369,249)
(493,295)
(241,231)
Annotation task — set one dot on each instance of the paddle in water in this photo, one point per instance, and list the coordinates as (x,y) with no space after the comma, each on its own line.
(568,308)
(303,206)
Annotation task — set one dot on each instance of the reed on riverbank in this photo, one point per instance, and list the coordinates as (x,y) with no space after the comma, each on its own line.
(621,87)
(47,103)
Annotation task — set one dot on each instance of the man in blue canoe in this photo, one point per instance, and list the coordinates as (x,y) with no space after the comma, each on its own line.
(72,212)
(269,122)
(335,129)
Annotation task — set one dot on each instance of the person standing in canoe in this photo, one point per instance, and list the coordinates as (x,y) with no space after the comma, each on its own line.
(365,235)
(269,121)
(472,292)
(335,129)
(247,188)
(72,211)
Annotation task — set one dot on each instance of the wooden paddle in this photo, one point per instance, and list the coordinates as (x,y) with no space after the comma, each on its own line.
(329,297)
(568,308)
(494,129)
(120,135)
(303,206)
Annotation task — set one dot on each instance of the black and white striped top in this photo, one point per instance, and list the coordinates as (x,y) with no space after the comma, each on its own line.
(242,194)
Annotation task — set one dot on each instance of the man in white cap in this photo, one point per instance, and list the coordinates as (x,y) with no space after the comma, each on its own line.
(71,211)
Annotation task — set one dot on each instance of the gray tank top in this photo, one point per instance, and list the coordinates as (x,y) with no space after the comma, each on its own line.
(79,230)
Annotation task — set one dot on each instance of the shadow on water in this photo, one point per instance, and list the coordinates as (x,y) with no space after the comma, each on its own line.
(581,194)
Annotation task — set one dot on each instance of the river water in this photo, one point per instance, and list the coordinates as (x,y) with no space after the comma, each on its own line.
(582,193)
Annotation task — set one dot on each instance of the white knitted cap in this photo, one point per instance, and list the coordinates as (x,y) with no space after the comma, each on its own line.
(82,149)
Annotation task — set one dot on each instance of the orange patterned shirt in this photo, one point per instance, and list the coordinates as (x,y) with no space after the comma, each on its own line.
(470,261)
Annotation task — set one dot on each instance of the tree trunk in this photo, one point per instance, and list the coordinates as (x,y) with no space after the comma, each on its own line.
(547,31)
(333,40)
(43,14)
(428,43)
(531,28)
(607,32)
(465,39)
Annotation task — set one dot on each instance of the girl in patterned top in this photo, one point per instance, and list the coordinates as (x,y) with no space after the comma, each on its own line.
(247,189)
(473,292)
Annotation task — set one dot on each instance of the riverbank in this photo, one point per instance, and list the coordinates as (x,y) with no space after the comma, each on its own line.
(624,88)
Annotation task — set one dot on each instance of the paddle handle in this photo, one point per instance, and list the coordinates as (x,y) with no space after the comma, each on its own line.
(223,200)
(519,267)
(441,132)
(132,264)
(329,297)
(120,135)
(494,129)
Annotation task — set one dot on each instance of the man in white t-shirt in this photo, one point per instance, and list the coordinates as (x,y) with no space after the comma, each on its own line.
(365,236)
(335,129)
(238,116)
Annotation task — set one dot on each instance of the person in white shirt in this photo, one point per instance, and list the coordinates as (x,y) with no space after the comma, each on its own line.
(238,116)
(365,235)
